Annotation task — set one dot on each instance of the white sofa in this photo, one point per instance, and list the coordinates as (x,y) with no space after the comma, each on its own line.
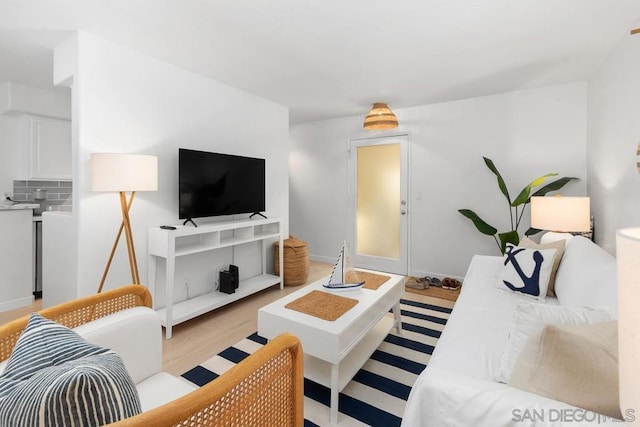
(458,387)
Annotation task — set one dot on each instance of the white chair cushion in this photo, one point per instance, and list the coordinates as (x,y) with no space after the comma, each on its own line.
(135,334)
(162,388)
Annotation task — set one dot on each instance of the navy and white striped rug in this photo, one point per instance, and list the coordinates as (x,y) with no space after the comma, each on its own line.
(377,394)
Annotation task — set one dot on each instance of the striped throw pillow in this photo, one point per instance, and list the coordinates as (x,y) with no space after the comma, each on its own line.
(55,378)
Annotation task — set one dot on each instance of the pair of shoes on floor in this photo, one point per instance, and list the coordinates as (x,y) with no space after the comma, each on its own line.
(416,283)
(450,283)
(430,281)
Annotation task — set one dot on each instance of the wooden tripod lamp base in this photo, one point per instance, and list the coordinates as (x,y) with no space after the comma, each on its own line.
(124,173)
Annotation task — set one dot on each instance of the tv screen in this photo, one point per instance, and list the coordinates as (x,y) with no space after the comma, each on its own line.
(212,184)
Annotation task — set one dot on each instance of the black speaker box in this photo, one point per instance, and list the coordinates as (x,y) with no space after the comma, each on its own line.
(226,282)
(233,269)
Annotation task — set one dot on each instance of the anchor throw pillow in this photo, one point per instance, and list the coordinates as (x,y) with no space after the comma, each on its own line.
(526,271)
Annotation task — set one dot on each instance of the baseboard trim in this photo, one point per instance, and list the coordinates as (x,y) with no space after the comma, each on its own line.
(325,259)
(422,273)
(16,303)
(414,273)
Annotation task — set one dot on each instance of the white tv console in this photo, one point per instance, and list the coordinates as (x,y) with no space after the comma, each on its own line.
(184,241)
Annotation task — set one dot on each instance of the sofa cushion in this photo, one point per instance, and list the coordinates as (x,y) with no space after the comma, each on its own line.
(531,318)
(558,246)
(526,271)
(50,361)
(576,364)
(586,276)
(465,345)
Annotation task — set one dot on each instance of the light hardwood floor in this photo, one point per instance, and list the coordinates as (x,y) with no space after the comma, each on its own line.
(201,338)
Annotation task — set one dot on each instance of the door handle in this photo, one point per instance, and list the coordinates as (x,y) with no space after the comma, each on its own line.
(403,212)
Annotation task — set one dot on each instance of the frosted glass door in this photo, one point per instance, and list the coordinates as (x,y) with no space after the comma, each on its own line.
(380,208)
(377,213)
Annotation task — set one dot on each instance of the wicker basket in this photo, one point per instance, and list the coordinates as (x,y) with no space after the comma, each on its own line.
(296,261)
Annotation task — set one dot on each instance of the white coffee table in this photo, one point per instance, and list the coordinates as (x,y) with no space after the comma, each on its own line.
(336,350)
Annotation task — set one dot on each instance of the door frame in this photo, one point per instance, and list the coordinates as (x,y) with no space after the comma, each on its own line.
(351,195)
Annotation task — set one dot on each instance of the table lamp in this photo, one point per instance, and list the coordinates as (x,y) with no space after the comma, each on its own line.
(628,264)
(560,216)
(124,173)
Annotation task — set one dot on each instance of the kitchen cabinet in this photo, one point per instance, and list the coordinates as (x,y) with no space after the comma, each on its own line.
(50,148)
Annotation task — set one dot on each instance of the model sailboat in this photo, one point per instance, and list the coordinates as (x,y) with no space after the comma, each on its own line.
(344,276)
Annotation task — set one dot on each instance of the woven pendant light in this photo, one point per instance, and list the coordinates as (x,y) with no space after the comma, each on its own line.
(380,117)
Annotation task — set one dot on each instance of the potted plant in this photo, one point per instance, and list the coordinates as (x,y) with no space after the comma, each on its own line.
(516,206)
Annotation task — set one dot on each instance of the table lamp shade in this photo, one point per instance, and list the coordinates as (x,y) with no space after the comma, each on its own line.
(564,214)
(124,172)
(628,262)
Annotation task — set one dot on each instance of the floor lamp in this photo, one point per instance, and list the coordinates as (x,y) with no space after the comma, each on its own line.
(124,173)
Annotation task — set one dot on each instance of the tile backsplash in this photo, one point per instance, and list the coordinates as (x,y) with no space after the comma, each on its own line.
(58,194)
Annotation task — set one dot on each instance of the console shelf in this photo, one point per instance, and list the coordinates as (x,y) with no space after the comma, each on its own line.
(184,241)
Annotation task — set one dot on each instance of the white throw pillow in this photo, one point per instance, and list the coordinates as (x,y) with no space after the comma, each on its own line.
(526,271)
(586,276)
(531,318)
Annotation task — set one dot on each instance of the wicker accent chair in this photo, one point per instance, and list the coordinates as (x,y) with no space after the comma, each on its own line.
(265,389)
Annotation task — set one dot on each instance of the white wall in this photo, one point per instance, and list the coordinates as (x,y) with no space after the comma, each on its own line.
(614,134)
(124,101)
(526,133)
(318,184)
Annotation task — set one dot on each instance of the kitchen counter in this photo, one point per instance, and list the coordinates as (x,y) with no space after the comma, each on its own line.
(19,206)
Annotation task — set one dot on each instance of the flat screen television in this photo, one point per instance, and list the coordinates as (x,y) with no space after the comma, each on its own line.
(214,184)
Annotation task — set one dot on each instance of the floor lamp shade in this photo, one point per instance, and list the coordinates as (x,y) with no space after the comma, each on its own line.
(124,172)
(628,260)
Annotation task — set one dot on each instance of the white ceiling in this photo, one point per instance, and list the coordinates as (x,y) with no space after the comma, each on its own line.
(332,58)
